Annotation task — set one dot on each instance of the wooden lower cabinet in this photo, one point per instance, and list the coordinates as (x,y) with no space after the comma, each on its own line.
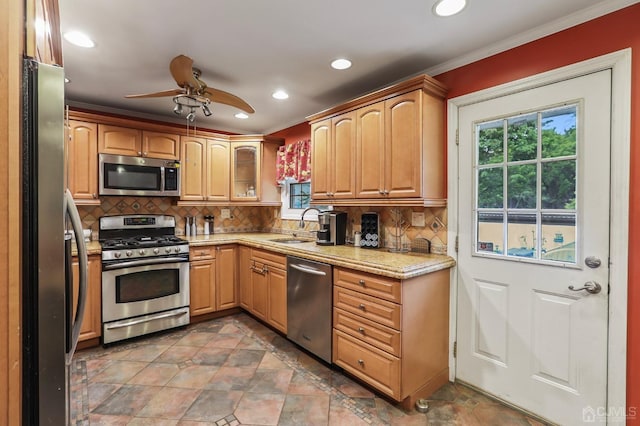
(202,281)
(393,334)
(212,279)
(263,285)
(92,320)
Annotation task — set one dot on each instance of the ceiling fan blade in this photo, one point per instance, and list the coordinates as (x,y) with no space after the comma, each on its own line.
(181,68)
(172,92)
(226,98)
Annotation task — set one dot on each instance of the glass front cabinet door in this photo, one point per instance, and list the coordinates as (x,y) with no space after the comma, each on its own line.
(245,171)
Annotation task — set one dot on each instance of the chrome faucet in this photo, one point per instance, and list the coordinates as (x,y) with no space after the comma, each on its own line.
(301,223)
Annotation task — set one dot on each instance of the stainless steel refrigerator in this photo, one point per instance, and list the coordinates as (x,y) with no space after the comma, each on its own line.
(50,330)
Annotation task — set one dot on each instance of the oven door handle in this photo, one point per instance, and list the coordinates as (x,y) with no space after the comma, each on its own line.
(147,319)
(144,262)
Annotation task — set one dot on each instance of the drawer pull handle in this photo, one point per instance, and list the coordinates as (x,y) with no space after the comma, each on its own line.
(361,330)
(361,362)
(361,306)
(361,282)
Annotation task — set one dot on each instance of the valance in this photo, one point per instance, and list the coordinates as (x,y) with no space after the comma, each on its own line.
(294,162)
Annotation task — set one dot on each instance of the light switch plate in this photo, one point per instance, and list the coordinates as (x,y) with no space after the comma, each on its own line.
(226,213)
(417,219)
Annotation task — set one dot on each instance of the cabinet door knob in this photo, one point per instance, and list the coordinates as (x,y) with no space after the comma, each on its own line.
(94,195)
(139,153)
(361,362)
(386,192)
(145,154)
(361,306)
(361,330)
(380,191)
(361,282)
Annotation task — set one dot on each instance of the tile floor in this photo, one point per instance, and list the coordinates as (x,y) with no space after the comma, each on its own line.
(236,371)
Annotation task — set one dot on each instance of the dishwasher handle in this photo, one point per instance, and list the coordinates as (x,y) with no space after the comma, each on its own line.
(307,269)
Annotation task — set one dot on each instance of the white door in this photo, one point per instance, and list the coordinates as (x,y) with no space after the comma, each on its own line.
(533,229)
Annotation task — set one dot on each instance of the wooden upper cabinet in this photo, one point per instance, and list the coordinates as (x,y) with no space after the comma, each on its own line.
(43,36)
(82,161)
(246,168)
(160,145)
(333,158)
(193,168)
(119,140)
(343,156)
(370,151)
(399,147)
(138,143)
(217,170)
(320,157)
(403,155)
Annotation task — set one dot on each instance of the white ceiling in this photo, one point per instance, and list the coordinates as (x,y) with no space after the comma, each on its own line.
(253,47)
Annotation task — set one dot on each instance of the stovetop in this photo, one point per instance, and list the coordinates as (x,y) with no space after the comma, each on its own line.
(142,241)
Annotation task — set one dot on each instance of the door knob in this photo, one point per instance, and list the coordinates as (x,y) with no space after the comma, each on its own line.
(592,262)
(591,286)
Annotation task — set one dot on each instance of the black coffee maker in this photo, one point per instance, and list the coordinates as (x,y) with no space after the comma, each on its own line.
(333,228)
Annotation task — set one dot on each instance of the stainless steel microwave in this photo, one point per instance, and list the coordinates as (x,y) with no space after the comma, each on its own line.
(141,176)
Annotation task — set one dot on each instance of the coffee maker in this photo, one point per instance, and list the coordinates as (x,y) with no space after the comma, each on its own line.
(333,228)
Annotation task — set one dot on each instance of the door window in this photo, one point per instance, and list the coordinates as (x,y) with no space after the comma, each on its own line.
(525,185)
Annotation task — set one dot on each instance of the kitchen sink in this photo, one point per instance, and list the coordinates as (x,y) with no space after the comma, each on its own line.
(289,240)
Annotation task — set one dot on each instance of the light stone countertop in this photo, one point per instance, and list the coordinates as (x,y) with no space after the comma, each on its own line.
(375,261)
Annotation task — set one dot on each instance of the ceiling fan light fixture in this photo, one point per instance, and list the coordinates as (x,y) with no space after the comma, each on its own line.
(280,95)
(177,109)
(341,64)
(448,7)
(78,38)
(241,115)
(206,110)
(191,116)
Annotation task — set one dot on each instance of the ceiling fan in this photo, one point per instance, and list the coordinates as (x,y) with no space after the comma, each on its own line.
(194,92)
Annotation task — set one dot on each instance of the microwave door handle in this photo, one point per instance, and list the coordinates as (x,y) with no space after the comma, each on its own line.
(76,224)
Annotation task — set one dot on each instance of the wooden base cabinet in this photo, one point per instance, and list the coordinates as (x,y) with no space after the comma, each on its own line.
(263,290)
(212,279)
(393,334)
(92,320)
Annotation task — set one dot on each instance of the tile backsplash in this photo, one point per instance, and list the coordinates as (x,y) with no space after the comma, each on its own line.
(267,219)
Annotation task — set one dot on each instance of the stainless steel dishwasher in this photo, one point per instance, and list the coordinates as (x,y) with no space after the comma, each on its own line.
(309,305)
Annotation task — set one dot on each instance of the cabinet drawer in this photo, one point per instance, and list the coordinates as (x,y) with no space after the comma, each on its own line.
(376,367)
(373,285)
(372,308)
(381,337)
(269,258)
(201,253)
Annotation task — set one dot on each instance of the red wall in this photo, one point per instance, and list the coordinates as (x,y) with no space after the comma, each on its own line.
(616,31)
(296,133)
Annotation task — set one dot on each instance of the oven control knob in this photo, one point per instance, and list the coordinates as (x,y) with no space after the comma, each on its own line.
(177,249)
(156,250)
(117,254)
(129,253)
(168,249)
(141,252)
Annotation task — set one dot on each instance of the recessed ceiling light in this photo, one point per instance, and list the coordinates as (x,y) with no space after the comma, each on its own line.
(79,39)
(280,94)
(341,64)
(448,7)
(66,80)
(241,115)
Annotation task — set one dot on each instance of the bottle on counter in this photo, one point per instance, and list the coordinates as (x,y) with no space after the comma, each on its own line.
(194,230)
(187,227)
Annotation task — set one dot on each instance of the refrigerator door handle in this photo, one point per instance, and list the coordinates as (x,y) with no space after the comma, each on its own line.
(76,224)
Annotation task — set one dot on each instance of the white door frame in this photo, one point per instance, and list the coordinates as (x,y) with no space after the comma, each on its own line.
(620,64)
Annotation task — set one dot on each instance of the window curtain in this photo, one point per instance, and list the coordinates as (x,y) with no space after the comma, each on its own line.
(293,163)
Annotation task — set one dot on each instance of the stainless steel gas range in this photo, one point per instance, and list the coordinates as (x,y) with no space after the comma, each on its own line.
(145,276)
